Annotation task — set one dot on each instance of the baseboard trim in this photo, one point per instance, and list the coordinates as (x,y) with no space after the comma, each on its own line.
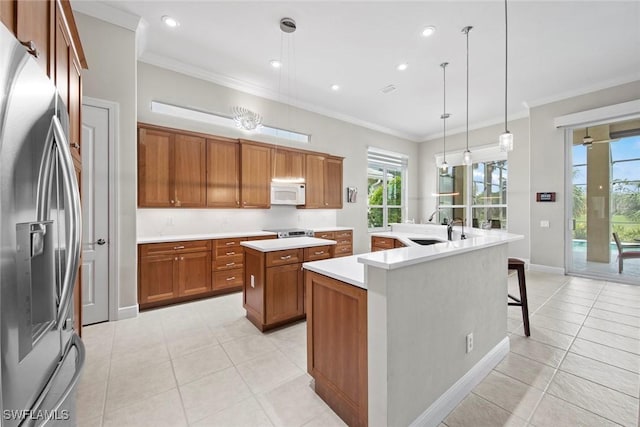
(439,410)
(128,312)
(546,269)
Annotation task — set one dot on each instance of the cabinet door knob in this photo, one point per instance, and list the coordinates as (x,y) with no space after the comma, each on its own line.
(175,259)
(75,145)
(173,201)
(181,258)
(31,47)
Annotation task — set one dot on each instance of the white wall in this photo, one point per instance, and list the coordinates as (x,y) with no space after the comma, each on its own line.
(518,194)
(328,135)
(548,168)
(111,57)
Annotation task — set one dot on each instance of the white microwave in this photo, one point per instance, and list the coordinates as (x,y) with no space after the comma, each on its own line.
(287,193)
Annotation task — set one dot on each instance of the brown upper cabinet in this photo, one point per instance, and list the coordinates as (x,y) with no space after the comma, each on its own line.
(324,181)
(223,173)
(255,161)
(32,28)
(8,15)
(288,164)
(171,169)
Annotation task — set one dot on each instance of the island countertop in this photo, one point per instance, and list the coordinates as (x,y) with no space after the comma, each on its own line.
(346,269)
(284,244)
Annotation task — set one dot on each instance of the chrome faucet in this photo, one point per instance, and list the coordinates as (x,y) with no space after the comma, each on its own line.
(433,214)
(450,229)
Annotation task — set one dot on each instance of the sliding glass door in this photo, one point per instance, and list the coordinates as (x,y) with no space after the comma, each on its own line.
(605,201)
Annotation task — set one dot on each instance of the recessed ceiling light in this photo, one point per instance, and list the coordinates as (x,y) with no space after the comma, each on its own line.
(428,31)
(402,66)
(335,88)
(169,21)
(275,63)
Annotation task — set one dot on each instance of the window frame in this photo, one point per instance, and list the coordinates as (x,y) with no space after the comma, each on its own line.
(403,169)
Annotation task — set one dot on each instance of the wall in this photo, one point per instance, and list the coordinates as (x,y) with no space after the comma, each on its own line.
(328,135)
(518,194)
(111,56)
(548,168)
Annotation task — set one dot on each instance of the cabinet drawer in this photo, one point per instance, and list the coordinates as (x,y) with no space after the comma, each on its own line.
(382,242)
(343,250)
(175,247)
(272,236)
(343,234)
(225,243)
(225,251)
(325,235)
(317,252)
(398,244)
(227,279)
(344,241)
(288,256)
(228,262)
(376,249)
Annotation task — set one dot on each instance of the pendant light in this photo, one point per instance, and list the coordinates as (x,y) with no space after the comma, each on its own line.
(444,166)
(505,141)
(467,153)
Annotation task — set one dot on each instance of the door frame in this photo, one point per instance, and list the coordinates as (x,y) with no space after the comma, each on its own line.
(608,114)
(113,110)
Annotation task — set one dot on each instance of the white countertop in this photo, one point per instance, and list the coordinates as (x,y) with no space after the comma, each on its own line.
(414,253)
(203,236)
(284,244)
(346,269)
(323,229)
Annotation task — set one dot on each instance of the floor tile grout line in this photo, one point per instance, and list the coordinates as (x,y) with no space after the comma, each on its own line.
(175,377)
(106,391)
(564,356)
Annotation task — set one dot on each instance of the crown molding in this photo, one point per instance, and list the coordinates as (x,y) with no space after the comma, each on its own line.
(107,13)
(263,92)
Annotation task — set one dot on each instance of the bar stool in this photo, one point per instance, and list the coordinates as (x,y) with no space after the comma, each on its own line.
(518,265)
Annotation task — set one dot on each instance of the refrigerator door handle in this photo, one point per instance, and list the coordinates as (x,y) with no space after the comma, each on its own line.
(57,145)
(76,342)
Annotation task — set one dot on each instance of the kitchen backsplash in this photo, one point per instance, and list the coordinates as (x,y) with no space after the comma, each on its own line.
(165,222)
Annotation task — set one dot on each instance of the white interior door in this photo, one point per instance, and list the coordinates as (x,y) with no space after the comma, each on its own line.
(95,214)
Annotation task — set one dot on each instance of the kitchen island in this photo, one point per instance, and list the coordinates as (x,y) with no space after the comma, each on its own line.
(421,303)
(273,288)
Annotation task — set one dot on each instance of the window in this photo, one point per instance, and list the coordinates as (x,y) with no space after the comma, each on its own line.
(479,189)
(386,189)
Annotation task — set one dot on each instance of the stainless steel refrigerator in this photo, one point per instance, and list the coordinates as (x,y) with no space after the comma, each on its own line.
(40,231)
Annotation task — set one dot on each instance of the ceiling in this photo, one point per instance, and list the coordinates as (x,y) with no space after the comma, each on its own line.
(557,49)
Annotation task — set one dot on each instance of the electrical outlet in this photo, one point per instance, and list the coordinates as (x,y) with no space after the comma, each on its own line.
(470,342)
(544,223)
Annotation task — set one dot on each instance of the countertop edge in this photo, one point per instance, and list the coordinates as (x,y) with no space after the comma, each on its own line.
(286,244)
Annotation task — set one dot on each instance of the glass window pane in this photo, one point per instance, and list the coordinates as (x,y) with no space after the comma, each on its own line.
(579,175)
(490,217)
(629,171)
(579,154)
(490,183)
(374,185)
(452,182)
(625,148)
(394,188)
(395,215)
(374,216)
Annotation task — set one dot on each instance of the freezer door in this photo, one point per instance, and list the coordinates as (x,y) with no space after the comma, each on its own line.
(25,119)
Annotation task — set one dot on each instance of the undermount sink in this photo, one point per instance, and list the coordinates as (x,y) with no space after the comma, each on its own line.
(426,242)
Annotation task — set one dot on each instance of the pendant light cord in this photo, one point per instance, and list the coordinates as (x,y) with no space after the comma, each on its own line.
(444,112)
(506,62)
(466,31)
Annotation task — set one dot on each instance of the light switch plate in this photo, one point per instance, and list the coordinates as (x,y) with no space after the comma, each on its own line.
(544,223)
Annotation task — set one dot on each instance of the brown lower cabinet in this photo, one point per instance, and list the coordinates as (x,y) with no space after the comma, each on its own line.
(173,272)
(343,238)
(274,284)
(337,345)
(383,243)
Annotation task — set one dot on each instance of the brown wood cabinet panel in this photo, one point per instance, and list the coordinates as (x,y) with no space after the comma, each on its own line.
(8,14)
(33,25)
(228,262)
(225,251)
(344,234)
(343,250)
(227,279)
(175,247)
(325,235)
(284,298)
(288,256)
(288,164)
(382,242)
(337,345)
(223,174)
(256,176)
(333,183)
(398,244)
(314,174)
(157,281)
(253,287)
(190,171)
(317,253)
(75,116)
(63,55)
(155,168)
(225,243)
(262,237)
(194,273)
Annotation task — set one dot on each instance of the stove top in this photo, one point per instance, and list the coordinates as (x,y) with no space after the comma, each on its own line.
(283,233)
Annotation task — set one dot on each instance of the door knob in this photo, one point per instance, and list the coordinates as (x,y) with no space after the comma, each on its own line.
(101,242)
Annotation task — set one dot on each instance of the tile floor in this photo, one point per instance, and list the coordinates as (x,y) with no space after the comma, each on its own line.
(204,364)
